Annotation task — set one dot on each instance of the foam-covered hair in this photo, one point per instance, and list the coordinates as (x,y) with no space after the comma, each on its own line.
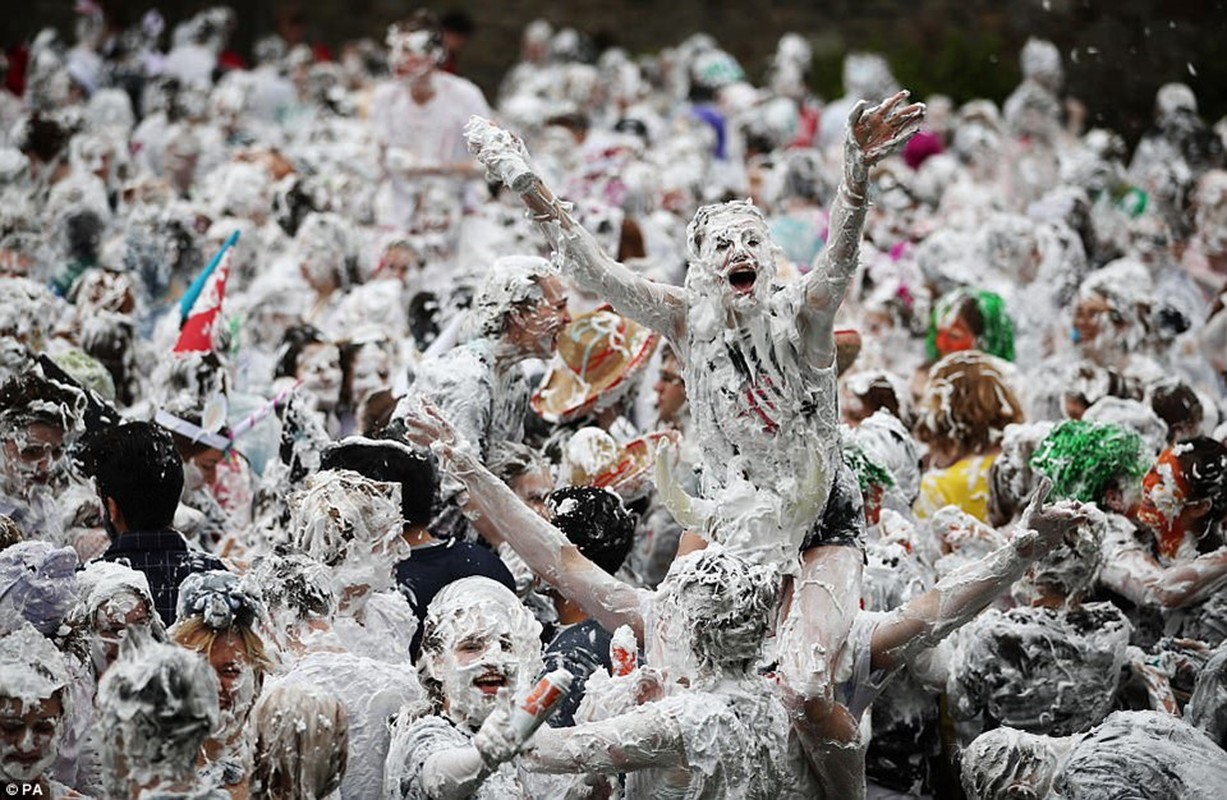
(340,512)
(1002,761)
(31,668)
(102,581)
(996,334)
(219,598)
(38,585)
(511,281)
(1084,458)
(161,700)
(724,602)
(715,213)
(481,602)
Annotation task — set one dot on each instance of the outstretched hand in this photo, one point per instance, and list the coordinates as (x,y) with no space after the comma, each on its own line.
(498,740)
(426,427)
(879,131)
(502,152)
(1045,527)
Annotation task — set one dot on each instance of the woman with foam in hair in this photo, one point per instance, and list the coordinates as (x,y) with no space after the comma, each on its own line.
(34,707)
(217,618)
(966,405)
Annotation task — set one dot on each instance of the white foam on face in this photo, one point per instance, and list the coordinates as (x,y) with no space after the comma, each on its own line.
(476,628)
(32,673)
(111,591)
(319,366)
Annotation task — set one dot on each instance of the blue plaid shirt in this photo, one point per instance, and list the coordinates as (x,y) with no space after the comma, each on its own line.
(165,559)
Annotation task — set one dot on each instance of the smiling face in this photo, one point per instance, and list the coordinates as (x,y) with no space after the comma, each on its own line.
(28,737)
(477,640)
(478,661)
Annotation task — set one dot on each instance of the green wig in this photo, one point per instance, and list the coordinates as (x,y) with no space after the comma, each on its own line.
(868,472)
(1083,458)
(997,329)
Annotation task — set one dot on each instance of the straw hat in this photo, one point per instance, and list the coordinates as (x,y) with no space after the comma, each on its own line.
(593,458)
(597,353)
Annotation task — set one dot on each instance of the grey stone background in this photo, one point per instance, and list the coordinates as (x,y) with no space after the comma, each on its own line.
(1117,52)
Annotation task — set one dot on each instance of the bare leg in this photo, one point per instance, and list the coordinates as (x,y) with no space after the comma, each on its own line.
(825,600)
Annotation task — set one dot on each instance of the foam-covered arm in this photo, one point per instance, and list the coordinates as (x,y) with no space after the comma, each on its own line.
(658,306)
(545,549)
(927,619)
(454,774)
(1137,576)
(641,739)
(873,133)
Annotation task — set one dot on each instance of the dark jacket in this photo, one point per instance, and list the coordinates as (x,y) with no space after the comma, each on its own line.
(165,559)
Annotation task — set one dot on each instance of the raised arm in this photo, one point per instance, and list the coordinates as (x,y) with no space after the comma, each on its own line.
(659,306)
(873,134)
(956,599)
(546,550)
(1137,576)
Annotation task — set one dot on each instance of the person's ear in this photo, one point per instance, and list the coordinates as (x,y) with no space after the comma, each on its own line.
(116,516)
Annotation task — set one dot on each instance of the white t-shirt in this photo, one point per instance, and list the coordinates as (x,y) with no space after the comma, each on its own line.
(433,131)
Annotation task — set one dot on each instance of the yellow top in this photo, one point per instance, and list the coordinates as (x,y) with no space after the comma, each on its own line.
(963,484)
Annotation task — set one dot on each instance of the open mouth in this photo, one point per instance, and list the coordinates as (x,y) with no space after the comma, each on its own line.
(742,279)
(490,682)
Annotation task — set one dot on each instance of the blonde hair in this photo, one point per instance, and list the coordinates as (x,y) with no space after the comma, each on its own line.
(196,635)
(302,743)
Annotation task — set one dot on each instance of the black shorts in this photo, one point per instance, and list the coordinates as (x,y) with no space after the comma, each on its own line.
(842,522)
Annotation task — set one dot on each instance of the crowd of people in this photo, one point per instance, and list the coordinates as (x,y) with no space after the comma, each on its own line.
(656,432)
